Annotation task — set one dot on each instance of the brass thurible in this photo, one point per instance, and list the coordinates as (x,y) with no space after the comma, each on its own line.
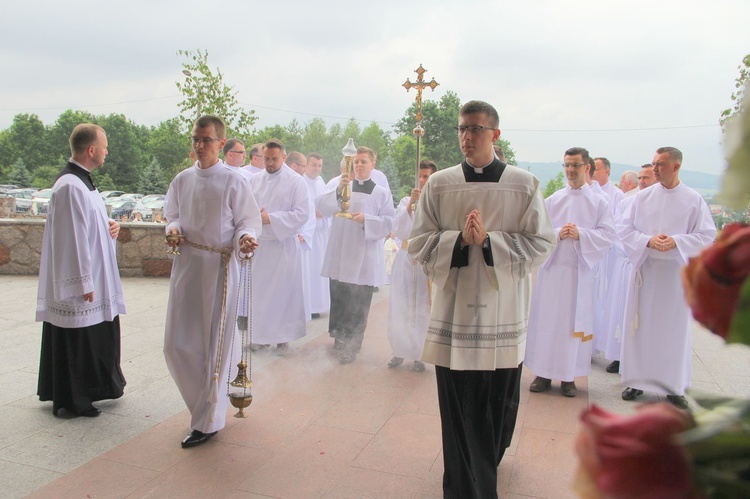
(349,151)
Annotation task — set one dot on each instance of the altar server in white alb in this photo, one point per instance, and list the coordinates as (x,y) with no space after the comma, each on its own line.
(479,230)
(298,162)
(354,259)
(561,325)
(211,205)
(279,314)
(665,225)
(80,296)
(320,298)
(409,311)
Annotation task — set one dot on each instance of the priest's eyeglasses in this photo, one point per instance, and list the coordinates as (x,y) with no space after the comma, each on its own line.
(572,165)
(202,140)
(473,129)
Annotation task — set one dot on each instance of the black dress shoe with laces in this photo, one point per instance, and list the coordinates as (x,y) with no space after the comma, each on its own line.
(196,437)
(90,412)
(613,367)
(631,393)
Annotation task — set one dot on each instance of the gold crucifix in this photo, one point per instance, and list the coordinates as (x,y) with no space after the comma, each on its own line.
(420,85)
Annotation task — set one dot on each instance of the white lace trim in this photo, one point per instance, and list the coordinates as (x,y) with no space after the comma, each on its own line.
(81,281)
(63,309)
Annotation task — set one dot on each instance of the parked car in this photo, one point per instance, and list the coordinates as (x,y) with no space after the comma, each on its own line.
(145,208)
(134,197)
(40,201)
(7,187)
(23,198)
(107,196)
(122,207)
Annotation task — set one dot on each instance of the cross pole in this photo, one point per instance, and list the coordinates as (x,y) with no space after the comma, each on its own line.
(419,85)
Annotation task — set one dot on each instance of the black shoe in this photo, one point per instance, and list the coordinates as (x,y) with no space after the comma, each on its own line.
(347,357)
(540,384)
(678,401)
(569,389)
(395,362)
(315,316)
(338,344)
(90,412)
(196,437)
(631,393)
(417,367)
(613,367)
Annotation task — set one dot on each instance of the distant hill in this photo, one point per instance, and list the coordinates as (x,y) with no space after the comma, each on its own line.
(705,183)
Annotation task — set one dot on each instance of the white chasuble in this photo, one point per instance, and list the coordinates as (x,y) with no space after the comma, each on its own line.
(355,251)
(212,207)
(409,311)
(656,343)
(561,326)
(81,225)
(320,295)
(480,312)
(278,287)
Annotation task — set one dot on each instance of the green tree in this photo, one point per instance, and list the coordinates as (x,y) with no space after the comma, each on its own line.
(152,180)
(314,136)
(45,176)
(102,181)
(169,145)
(738,94)
(27,139)
(554,185)
(376,139)
(19,174)
(204,92)
(127,151)
(510,153)
(58,134)
(403,157)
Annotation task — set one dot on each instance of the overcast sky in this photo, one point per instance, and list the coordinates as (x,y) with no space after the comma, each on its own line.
(620,78)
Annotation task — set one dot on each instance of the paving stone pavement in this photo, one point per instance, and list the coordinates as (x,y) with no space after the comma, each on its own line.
(315,428)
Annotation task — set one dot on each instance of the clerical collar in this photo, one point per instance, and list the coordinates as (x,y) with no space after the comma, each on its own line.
(75,168)
(490,173)
(365,186)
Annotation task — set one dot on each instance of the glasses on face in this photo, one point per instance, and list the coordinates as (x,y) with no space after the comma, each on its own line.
(258,156)
(202,140)
(572,165)
(474,129)
(238,152)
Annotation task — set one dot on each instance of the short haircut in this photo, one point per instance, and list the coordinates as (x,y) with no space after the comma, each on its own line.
(426,163)
(630,176)
(605,161)
(315,155)
(647,165)
(82,137)
(275,144)
(575,151)
(674,153)
(207,120)
(592,165)
(296,157)
(256,149)
(231,143)
(478,106)
(368,151)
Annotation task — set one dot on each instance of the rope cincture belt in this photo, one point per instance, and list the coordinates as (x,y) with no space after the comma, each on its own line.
(226,255)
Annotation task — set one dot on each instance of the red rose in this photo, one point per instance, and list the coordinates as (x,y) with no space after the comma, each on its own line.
(634,456)
(713,279)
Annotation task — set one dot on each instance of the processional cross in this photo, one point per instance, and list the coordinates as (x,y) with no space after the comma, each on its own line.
(420,85)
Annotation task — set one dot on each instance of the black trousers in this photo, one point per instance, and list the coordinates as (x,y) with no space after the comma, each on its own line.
(350,306)
(79,366)
(478,412)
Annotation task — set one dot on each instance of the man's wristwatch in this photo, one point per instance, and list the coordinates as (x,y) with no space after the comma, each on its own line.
(486,242)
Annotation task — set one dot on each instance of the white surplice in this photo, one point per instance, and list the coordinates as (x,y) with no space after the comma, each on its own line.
(409,311)
(212,207)
(355,251)
(561,324)
(320,299)
(278,287)
(656,343)
(308,240)
(479,313)
(78,222)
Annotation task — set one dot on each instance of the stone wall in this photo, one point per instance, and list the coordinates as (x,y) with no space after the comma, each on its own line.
(140,248)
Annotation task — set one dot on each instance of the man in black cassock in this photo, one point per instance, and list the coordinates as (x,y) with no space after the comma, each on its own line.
(80,295)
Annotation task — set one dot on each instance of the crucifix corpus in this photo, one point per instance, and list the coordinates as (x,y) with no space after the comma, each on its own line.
(420,85)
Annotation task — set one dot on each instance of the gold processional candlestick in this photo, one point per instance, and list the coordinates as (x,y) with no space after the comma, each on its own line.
(349,151)
(420,85)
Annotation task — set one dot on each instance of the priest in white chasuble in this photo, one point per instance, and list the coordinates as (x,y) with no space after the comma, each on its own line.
(278,287)
(665,225)
(320,299)
(211,206)
(561,324)
(479,230)
(409,310)
(354,260)
(80,296)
